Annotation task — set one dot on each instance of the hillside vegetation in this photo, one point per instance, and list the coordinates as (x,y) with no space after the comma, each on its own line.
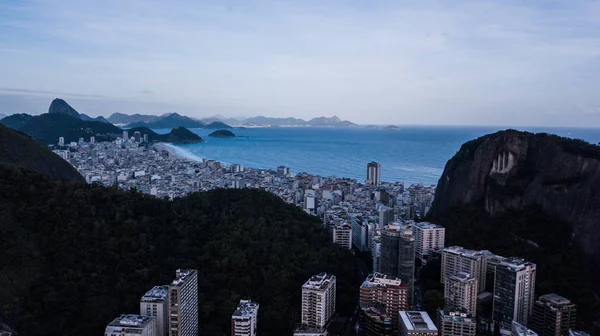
(20,150)
(75,256)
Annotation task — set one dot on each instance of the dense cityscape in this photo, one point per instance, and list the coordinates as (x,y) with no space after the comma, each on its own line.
(483,293)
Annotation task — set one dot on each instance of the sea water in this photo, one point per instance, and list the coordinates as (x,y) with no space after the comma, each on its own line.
(411,154)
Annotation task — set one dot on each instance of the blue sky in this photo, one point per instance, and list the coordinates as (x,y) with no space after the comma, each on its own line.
(402,62)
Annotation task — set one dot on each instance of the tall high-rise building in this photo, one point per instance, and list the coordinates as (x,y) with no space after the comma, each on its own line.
(373,169)
(373,321)
(342,235)
(428,237)
(416,323)
(154,303)
(553,315)
(460,293)
(514,292)
(183,304)
(406,263)
(131,325)
(398,255)
(387,294)
(360,233)
(244,321)
(318,300)
(386,216)
(456,323)
(492,261)
(145,137)
(92,139)
(137,136)
(125,136)
(283,171)
(457,259)
(61,141)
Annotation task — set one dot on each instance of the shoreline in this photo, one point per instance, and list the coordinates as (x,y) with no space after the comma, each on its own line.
(175,152)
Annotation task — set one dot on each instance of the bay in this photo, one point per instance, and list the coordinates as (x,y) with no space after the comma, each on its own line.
(411,154)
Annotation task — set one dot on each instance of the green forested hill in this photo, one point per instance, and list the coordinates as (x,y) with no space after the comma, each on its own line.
(75,256)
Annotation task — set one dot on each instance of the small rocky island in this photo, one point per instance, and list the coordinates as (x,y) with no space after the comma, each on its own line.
(222,134)
(182,135)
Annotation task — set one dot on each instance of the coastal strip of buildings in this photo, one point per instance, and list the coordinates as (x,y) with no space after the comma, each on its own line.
(483,292)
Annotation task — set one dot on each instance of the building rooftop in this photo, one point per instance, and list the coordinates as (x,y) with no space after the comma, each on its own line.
(516,264)
(131,321)
(245,309)
(577,333)
(427,226)
(459,250)
(380,279)
(417,320)
(319,281)
(156,294)
(462,277)
(456,316)
(554,299)
(398,230)
(182,275)
(343,226)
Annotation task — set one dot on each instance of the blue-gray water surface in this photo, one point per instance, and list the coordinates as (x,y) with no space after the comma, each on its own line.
(412,154)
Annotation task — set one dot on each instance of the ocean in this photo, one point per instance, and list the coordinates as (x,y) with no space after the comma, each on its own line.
(411,154)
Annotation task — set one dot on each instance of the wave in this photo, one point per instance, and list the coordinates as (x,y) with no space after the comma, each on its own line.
(184,153)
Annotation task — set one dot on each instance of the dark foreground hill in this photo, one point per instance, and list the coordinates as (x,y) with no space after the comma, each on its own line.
(20,150)
(75,256)
(531,195)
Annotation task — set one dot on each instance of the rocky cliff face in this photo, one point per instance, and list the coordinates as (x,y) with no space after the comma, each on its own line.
(512,170)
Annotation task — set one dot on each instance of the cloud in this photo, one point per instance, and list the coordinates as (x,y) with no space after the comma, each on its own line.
(48,93)
(147,92)
(464,62)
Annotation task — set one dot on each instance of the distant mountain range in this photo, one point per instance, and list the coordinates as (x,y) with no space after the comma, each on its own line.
(289,122)
(172,120)
(169,121)
(124,119)
(64,121)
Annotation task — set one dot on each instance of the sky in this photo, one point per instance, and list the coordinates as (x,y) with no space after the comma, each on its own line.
(460,62)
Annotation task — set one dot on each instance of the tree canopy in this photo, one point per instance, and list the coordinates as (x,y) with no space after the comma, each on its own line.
(76,256)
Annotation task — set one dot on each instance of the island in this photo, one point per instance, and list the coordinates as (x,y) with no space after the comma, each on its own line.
(392,127)
(182,135)
(222,134)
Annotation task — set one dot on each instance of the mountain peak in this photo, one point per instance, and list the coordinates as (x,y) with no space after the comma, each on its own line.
(62,107)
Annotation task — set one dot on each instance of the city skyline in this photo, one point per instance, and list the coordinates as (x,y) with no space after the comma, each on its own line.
(469,63)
